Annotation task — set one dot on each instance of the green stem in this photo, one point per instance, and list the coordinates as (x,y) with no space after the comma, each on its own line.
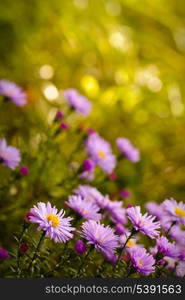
(160,270)
(172,224)
(101,269)
(36,250)
(83,262)
(130,270)
(133,232)
(18,249)
(59,264)
(129,237)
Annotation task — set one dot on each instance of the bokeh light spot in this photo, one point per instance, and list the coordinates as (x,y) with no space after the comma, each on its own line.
(50,92)
(90,85)
(46,72)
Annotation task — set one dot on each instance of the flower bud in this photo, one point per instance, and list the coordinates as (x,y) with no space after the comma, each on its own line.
(129,205)
(90,131)
(27,217)
(125,193)
(112,176)
(23,248)
(88,165)
(3,254)
(80,247)
(59,115)
(63,126)
(24,171)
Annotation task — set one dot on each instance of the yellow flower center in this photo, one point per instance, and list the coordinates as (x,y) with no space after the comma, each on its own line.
(90,198)
(9,93)
(54,220)
(140,263)
(85,211)
(101,154)
(142,222)
(180,212)
(130,243)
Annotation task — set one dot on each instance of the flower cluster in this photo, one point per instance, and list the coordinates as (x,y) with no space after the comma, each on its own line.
(94,232)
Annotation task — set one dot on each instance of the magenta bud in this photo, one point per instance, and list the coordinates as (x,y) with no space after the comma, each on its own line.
(23,248)
(63,126)
(124,193)
(88,165)
(120,229)
(112,176)
(129,205)
(161,261)
(24,171)
(80,247)
(3,254)
(126,257)
(59,115)
(90,131)
(27,216)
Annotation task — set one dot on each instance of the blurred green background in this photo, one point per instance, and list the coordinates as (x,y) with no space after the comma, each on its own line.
(126,56)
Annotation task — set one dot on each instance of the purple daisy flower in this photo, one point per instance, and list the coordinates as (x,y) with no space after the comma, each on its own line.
(130,152)
(100,152)
(154,209)
(143,223)
(89,193)
(171,262)
(52,222)
(166,248)
(114,208)
(104,203)
(165,222)
(142,261)
(180,269)
(158,211)
(100,236)
(181,252)
(13,92)
(120,229)
(131,242)
(88,210)
(178,234)
(175,210)
(118,214)
(9,155)
(77,101)
(153,250)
